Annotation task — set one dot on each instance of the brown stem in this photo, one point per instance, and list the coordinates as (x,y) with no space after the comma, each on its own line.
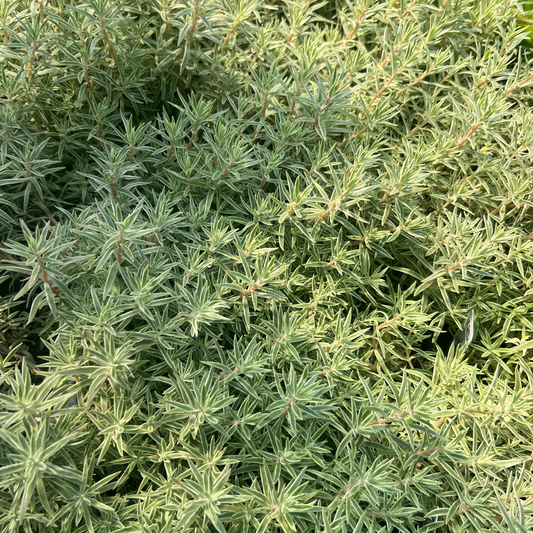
(483,81)
(227,168)
(389,56)
(170,151)
(518,85)
(384,325)
(265,106)
(354,136)
(100,132)
(353,31)
(113,187)
(263,181)
(408,8)
(419,127)
(388,420)
(248,291)
(32,60)
(418,80)
(384,198)
(191,31)
(335,205)
(293,103)
(87,79)
(195,19)
(120,247)
(107,41)
(503,204)
(457,264)
(471,132)
(193,137)
(44,274)
(385,87)
(289,40)
(230,33)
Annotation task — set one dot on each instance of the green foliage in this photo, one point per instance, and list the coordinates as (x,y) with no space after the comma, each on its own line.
(524,20)
(235,238)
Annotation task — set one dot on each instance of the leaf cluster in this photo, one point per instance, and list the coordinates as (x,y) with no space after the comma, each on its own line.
(235,238)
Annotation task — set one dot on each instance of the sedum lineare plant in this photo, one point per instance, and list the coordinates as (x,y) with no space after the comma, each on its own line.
(236,239)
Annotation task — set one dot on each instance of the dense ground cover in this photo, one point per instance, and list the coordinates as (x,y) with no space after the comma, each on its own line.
(237,238)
